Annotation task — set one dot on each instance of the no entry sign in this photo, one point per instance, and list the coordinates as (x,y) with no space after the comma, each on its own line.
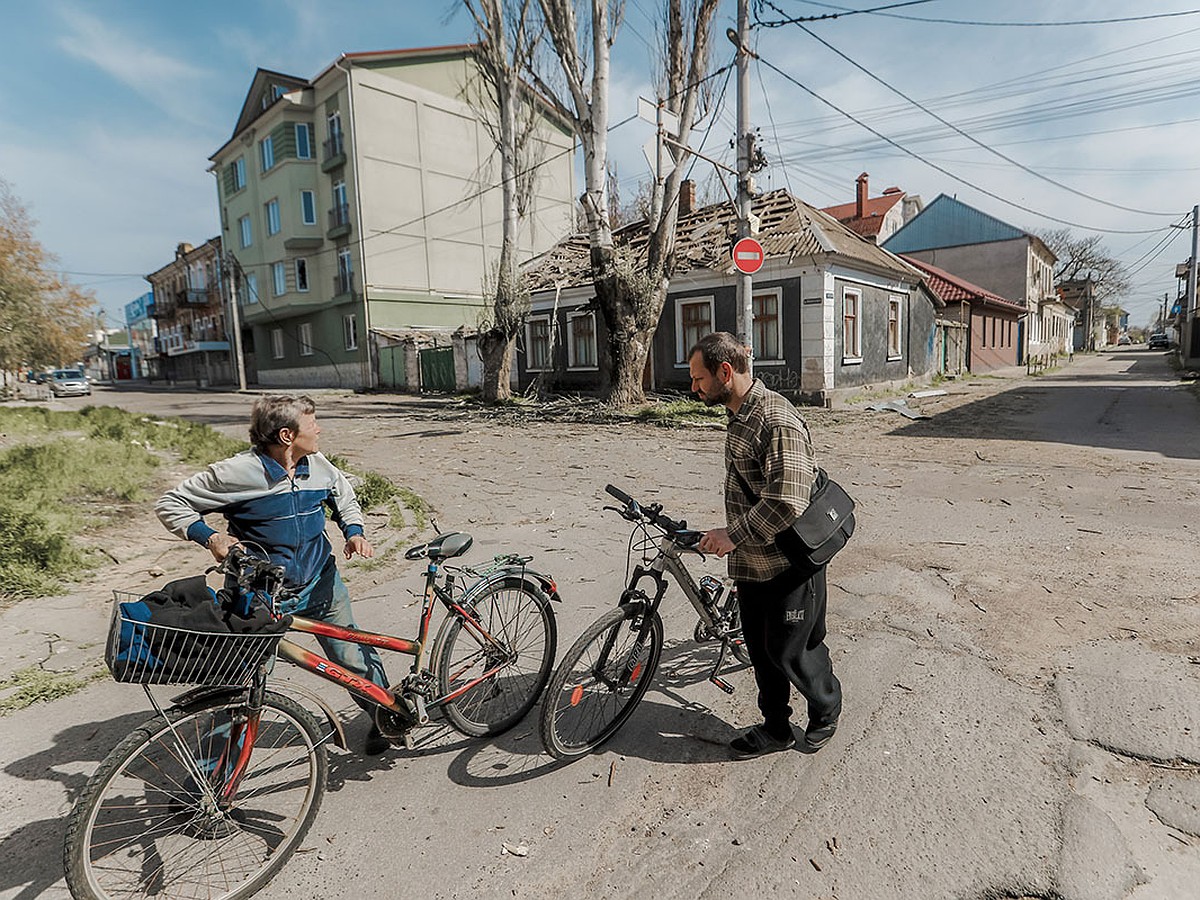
(748,256)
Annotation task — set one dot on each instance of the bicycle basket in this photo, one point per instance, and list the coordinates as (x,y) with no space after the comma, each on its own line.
(140,651)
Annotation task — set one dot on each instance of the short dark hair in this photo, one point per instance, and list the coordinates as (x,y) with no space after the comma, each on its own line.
(271,413)
(721,347)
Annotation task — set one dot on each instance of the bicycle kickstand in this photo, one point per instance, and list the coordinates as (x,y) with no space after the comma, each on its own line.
(713,676)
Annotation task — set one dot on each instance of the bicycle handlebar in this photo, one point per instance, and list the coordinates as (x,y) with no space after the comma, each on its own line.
(249,568)
(678,532)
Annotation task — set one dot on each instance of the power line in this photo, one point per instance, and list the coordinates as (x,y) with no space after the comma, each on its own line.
(942,169)
(959,131)
(879,11)
(840,15)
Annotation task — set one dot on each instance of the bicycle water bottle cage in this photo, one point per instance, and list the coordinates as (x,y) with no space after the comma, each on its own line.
(446,546)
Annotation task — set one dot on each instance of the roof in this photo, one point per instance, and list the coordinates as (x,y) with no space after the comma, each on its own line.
(790,230)
(950,288)
(948,222)
(874,209)
(210,248)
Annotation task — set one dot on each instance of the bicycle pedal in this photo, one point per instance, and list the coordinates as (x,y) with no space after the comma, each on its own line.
(409,742)
(721,683)
(422,714)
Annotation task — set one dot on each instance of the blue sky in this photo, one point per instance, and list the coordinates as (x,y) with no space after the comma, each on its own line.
(112,107)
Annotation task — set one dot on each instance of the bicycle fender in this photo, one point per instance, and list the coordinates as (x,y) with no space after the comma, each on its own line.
(532,577)
(202,695)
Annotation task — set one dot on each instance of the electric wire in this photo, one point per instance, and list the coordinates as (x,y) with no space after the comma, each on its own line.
(880,11)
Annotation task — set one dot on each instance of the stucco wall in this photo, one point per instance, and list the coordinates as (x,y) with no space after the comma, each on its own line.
(1001,266)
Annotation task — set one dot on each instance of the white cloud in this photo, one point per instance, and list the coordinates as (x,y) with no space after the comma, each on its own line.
(165,80)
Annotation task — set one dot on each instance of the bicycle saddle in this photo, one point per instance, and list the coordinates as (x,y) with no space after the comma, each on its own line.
(446,546)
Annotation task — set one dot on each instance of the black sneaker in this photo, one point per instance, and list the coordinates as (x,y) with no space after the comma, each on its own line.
(375,743)
(816,738)
(758,741)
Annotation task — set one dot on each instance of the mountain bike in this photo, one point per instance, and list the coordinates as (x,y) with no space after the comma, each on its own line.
(213,795)
(605,674)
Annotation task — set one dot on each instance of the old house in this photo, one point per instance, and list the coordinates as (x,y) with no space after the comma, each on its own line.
(997,256)
(876,218)
(192,345)
(832,311)
(992,322)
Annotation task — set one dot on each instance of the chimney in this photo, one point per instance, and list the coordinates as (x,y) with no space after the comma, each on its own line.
(687,197)
(860,195)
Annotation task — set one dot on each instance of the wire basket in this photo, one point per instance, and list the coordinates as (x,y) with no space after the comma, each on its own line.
(142,652)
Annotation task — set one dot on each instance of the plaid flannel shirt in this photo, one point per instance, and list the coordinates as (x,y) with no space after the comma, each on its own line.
(769,444)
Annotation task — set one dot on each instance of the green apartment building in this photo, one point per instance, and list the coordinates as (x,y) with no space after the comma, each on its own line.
(367,201)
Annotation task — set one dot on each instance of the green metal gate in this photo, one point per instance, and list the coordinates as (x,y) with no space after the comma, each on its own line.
(392,373)
(437,369)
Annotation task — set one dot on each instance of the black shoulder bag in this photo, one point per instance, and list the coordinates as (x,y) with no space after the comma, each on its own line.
(821,530)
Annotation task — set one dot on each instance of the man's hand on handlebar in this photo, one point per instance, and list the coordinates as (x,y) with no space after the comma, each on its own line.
(219,545)
(716,541)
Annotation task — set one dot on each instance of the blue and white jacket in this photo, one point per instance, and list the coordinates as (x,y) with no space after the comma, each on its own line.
(264,506)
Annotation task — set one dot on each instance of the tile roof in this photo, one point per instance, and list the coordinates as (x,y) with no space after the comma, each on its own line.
(950,288)
(790,230)
(874,210)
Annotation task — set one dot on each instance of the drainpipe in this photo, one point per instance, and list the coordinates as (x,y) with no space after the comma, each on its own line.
(369,380)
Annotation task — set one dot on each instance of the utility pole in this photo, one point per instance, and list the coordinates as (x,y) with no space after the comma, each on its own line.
(1185,339)
(745,157)
(235,317)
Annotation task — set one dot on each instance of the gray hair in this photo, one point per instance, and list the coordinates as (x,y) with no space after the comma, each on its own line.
(277,411)
(721,347)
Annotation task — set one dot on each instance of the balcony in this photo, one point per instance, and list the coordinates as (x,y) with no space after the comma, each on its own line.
(335,152)
(339,221)
(164,309)
(343,283)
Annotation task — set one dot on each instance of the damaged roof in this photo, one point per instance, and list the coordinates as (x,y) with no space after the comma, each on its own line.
(791,232)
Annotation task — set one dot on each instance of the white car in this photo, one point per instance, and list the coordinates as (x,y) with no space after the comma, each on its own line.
(69,383)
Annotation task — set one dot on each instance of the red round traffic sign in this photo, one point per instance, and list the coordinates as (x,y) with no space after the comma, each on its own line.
(748,256)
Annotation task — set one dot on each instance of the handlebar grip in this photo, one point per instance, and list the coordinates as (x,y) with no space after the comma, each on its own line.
(619,494)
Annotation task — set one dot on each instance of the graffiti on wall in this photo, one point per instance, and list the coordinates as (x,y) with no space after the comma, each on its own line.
(779,379)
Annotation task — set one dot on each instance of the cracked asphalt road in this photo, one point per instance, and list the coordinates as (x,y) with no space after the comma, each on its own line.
(1017,626)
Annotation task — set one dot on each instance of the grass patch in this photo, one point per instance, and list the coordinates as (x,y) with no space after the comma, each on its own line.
(671,413)
(31,685)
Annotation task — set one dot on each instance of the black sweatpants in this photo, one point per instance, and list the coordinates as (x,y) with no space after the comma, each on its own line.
(783,622)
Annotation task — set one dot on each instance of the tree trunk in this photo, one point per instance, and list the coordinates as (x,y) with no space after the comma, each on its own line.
(495,348)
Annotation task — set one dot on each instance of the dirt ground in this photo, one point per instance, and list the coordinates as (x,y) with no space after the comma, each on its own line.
(1016,625)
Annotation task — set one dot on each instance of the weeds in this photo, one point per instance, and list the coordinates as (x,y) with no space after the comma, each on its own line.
(672,413)
(33,684)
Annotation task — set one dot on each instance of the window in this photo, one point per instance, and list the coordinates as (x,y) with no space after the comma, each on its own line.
(537,343)
(239,173)
(244,231)
(983,323)
(350,331)
(302,275)
(893,328)
(277,343)
(339,193)
(273,222)
(693,320)
(766,327)
(344,282)
(251,289)
(266,148)
(308,207)
(279,278)
(333,128)
(581,349)
(304,141)
(851,338)
(306,342)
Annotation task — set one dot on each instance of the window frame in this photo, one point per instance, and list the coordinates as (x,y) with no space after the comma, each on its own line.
(277,348)
(572,363)
(279,278)
(529,323)
(239,173)
(245,232)
(895,302)
(852,355)
(274,217)
(777,292)
(301,262)
(682,346)
(252,296)
(306,129)
(312,199)
(350,331)
(304,338)
(266,153)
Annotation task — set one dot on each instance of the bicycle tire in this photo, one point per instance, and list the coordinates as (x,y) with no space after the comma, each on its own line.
(519,615)
(582,709)
(140,826)
(737,642)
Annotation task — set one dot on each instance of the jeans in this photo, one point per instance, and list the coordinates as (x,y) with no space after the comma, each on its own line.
(326,599)
(783,623)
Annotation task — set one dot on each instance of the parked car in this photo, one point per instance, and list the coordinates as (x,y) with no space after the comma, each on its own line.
(1159,341)
(69,383)
(1124,340)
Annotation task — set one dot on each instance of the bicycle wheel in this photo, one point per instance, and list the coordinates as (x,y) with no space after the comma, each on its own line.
(600,682)
(733,615)
(144,827)
(519,618)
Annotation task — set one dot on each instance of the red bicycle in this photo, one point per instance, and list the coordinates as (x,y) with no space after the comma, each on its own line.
(213,795)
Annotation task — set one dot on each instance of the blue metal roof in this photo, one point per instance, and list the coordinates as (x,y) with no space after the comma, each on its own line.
(947,222)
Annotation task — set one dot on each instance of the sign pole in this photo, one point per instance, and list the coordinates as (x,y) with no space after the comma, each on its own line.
(745,293)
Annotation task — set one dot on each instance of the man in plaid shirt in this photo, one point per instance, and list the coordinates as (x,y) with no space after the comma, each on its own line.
(782,604)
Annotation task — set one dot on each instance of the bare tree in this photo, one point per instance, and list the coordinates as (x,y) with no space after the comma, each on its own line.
(630,293)
(506,46)
(1087,257)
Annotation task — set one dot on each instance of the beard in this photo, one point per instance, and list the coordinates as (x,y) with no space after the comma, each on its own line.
(721,393)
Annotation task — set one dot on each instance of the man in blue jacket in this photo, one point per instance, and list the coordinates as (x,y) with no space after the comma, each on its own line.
(273,496)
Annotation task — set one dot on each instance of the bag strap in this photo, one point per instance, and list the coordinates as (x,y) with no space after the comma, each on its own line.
(819,477)
(750,495)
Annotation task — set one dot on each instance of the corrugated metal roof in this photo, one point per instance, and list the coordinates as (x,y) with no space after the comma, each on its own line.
(947,222)
(790,230)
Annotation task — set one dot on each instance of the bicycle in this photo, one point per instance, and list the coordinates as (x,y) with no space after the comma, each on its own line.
(213,795)
(605,674)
